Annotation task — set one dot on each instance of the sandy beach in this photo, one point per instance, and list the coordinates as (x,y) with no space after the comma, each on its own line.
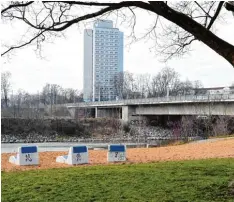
(214,149)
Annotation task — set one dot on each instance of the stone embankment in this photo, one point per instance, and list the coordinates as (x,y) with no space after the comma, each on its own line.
(136,134)
(92,130)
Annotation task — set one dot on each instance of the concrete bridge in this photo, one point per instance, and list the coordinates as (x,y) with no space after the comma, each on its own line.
(132,109)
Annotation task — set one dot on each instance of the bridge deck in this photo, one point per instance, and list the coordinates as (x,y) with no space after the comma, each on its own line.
(158,100)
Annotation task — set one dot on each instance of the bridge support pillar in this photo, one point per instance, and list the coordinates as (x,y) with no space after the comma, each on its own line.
(96,112)
(127,112)
(72,112)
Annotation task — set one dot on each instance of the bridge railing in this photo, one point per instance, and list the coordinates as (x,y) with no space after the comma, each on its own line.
(182,98)
(179,98)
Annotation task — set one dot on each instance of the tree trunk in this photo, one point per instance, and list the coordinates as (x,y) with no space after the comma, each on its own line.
(6,100)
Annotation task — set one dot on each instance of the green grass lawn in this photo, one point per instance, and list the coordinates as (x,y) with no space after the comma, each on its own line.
(221,136)
(200,180)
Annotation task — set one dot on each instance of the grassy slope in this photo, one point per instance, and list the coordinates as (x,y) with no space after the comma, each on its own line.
(203,180)
(222,136)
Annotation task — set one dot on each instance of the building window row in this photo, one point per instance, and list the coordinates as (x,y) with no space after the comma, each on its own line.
(97,45)
(106,63)
(110,55)
(107,43)
(107,37)
(108,72)
(108,59)
(105,59)
(106,55)
(105,50)
(103,64)
(105,40)
(105,67)
(101,49)
(107,31)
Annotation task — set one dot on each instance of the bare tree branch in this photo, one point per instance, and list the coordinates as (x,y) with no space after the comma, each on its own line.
(24,44)
(216,14)
(230,6)
(16,6)
(202,9)
(190,20)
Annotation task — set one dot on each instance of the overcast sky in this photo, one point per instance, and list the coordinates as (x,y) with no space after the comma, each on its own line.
(64,59)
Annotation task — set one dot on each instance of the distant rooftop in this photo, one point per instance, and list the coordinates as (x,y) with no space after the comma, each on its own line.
(103,24)
(215,88)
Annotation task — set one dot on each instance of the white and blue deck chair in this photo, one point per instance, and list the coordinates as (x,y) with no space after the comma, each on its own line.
(76,155)
(26,155)
(116,153)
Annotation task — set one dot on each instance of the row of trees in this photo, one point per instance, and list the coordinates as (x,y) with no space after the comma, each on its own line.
(127,86)
(50,94)
(166,82)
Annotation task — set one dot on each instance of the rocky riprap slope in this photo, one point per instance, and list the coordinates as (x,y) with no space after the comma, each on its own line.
(92,130)
(34,137)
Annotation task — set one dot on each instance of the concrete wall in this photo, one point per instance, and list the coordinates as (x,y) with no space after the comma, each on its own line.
(139,112)
(77,113)
(188,109)
(88,65)
(108,113)
(72,112)
(127,112)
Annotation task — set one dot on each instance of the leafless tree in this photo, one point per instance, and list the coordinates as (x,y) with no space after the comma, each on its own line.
(125,85)
(128,85)
(55,91)
(165,80)
(141,84)
(181,22)
(50,93)
(19,100)
(185,88)
(221,125)
(119,84)
(45,98)
(146,86)
(72,95)
(5,87)
(196,86)
(23,101)
(148,81)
